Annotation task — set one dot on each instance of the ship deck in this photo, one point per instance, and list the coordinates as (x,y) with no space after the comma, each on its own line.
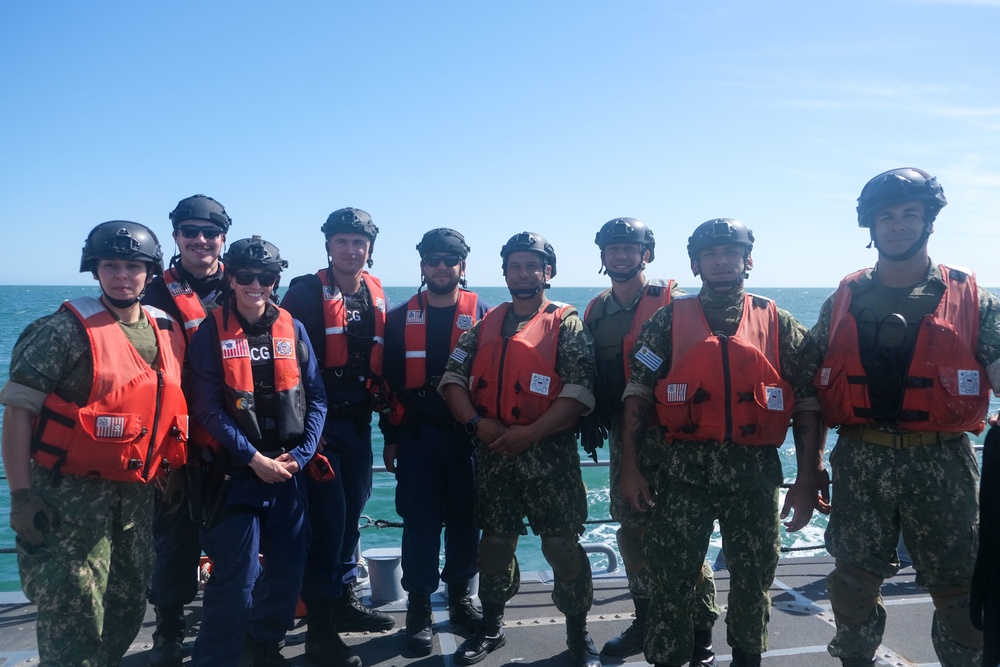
(801,625)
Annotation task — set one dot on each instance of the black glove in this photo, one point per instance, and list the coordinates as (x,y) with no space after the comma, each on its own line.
(175,490)
(30,517)
(593,433)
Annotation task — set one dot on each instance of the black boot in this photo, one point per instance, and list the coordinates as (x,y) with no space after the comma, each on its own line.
(350,615)
(743,659)
(268,655)
(630,641)
(419,630)
(857,662)
(168,637)
(582,651)
(461,611)
(487,638)
(703,655)
(323,645)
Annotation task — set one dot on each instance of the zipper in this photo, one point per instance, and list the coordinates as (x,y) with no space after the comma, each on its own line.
(728,380)
(503,353)
(156,425)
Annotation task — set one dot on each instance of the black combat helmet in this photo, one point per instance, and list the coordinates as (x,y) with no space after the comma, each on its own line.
(626,230)
(719,231)
(121,239)
(254,253)
(200,207)
(444,240)
(896,186)
(531,242)
(351,220)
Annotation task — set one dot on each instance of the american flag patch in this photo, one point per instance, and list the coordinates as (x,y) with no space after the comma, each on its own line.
(235,348)
(284,347)
(176,289)
(330,292)
(648,359)
(677,393)
(458,355)
(109,426)
(414,317)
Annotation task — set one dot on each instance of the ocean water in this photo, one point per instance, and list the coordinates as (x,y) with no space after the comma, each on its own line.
(20,305)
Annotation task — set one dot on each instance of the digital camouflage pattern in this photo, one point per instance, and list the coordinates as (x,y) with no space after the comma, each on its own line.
(699,482)
(53,354)
(927,493)
(544,483)
(91,597)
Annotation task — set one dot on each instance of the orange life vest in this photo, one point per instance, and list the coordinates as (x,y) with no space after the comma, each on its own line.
(415,333)
(726,389)
(945,389)
(335,321)
(187,301)
(135,420)
(237,377)
(653,298)
(514,379)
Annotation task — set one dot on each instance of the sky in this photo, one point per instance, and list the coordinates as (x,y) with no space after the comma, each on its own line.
(498,117)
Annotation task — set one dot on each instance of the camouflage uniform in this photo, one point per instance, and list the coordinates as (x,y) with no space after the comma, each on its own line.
(699,482)
(89,578)
(544,483)
(927,493)
(610,323)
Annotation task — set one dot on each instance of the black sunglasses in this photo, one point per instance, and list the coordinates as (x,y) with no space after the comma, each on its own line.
(192,231)
(247,277)
(434,260)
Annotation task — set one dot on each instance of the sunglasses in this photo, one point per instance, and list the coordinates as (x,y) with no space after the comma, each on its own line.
(434,260)
(247,277)
(192,231)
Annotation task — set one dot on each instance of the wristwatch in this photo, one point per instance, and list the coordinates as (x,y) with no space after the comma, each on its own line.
(472,424)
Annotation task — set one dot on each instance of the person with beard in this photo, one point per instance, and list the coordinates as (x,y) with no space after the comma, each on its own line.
(533,364)
(431,453)
(725,372)
(256,387)
(94,411)
(188,290)
(615,317)
(343,308)
(911,349)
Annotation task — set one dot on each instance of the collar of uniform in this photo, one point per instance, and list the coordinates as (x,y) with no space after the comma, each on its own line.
(612,306)
(867,280)
(713,299)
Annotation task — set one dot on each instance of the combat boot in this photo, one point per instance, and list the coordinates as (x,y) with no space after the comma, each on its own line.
(323,645)
(857,662)
(630,641)
(582,651)
(419,626)
(743,659)
(461,611)
(488,637)
(268,655)
(704,655)
(168,637)
(350,615)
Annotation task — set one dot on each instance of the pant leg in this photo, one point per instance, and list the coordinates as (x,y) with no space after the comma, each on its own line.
(322,580)
(499,509)
(461,536)
(420,501)
(356,468)
(174,581)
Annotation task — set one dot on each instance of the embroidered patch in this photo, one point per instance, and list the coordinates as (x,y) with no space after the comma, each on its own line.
(235,348)
(109,426)
(968,383)
(284,347)
(331,292)
(648,358)
(775,398)
(380,303)
(824,376)
(176,288)
(677,393)
(458,355)
(414,317)
(464,322)
(540,384)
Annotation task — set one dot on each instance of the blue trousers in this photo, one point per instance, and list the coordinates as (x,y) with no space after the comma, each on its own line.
(269,519)
(178,551)
(334,510)
(435,486)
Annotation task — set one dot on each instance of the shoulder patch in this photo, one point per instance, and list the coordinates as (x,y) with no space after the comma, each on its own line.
(284,347)
(648,358)
(458,355)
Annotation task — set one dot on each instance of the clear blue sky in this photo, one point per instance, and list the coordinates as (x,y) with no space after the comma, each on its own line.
(498,117)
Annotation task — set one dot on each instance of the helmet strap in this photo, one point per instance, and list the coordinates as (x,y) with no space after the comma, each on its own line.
(625,277)
(909,252)
(122,303)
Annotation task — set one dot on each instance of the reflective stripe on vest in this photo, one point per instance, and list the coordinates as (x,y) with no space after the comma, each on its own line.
(335,322)
(415,333)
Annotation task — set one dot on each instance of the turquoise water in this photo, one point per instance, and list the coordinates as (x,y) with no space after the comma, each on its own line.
(20,305)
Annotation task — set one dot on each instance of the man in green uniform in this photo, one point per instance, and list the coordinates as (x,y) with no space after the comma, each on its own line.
(533,364)
(94,411)
(726,371)
(911,350)
(615,317)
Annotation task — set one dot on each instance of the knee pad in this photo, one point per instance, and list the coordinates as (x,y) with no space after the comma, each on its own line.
(563,554)
(954,621)
(496,551)
(853,593)
(630,546)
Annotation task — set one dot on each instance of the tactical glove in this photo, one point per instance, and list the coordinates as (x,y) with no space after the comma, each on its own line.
(593,433)
(30,516)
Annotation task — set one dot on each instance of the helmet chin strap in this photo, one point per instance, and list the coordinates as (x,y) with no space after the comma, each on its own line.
(723,285)
(528,293)
(122,303)
(906,254)
(624,277)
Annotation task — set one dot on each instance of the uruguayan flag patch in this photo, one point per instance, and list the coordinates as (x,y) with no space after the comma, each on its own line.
(648,359)
(458,355)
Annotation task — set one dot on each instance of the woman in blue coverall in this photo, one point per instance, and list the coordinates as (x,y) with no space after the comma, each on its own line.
(257,390)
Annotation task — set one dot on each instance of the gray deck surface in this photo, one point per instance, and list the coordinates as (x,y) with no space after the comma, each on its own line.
(801,625)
